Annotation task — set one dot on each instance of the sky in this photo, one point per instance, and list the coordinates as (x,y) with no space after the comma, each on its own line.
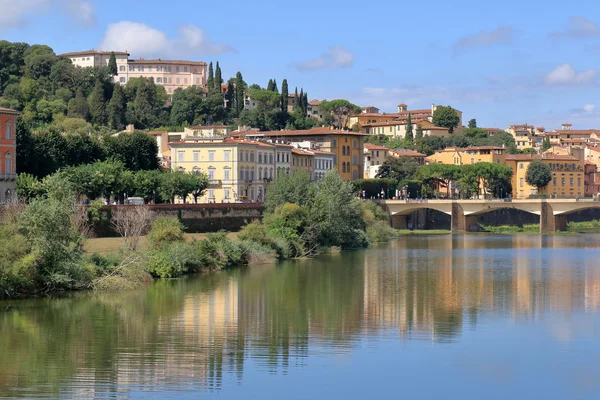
(503,63)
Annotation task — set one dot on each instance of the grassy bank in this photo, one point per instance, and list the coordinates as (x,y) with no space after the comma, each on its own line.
(404,232)
(106,246)
(572,227)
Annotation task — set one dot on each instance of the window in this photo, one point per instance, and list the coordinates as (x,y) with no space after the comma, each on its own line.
(521,182)
(260,173)
(211,194)
(334,143)
(260,159)
(8,130)
(140,68)
(578,181)
(571,181)
(177,81)
(247,155)
(252,156)
(227,155)
(122,68)
(185,69)
(554,181)
(288,157)
(211,155)
(197,81)
(563,181)
(196,155)
(122,80)
(226,174)
(131,68)
(158,80)
(270,158)
(377,153)
(354,143)
(226,193)
(195,70)
(278,154)
(8,168)
(211,174)
(354,160)
(180,156)
(177,69)
(521,166)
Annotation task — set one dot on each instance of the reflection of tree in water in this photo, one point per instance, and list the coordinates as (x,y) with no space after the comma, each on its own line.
(198,331)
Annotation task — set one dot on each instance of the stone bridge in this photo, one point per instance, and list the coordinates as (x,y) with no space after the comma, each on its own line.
(553,212)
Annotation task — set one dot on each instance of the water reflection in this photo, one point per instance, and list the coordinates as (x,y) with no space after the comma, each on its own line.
(206,333)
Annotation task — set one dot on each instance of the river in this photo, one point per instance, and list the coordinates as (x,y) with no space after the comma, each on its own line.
(423,317)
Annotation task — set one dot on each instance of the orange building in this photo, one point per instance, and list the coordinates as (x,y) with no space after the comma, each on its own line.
(8,162)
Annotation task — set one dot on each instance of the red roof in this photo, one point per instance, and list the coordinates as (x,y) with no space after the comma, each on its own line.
(301,152)
(159,61)
(406,153)
(208,127)
(371,146)
(92,51)
(309,132)
(8,111)
(529,157)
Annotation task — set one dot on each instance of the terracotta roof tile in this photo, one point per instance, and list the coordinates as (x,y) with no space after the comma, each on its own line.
(159,61)
(371,146)
(92,51)
(9,111)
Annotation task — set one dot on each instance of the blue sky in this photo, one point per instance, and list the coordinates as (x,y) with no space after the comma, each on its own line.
(499,62)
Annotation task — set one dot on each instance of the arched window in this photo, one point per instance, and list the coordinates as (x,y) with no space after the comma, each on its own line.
(9,130)
(343,150)
(8,163)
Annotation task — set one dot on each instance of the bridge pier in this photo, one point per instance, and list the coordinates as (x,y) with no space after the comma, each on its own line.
(550,222)
(461,222)
(399,221)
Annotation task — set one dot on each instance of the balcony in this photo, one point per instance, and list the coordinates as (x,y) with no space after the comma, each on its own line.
(8,177)
(214,182)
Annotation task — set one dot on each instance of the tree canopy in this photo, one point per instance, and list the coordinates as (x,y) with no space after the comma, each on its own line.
(538,174)
(446,116)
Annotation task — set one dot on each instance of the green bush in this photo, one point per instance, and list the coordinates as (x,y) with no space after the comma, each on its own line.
(254,253)
(380,231)
(255,231)
(165,230)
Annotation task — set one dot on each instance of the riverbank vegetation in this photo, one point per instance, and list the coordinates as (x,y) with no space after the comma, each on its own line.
(573,227)
(42,240)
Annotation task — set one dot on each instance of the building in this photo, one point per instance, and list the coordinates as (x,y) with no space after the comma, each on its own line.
(523,135)
(323,163)
(237,169)
(172,74)
(302,160)
(592,154)
(567,133)
(468,155)
(314,110)
(370,118)
(347,146)
(8,154)
(591,178)
(374,157)
(418,157)
(567,175)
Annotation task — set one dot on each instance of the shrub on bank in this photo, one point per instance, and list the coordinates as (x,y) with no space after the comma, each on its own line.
(165,230)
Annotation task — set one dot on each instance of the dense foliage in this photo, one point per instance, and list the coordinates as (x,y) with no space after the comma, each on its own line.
(538,174)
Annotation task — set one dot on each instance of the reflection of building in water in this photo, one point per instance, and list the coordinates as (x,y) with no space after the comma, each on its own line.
(592,285)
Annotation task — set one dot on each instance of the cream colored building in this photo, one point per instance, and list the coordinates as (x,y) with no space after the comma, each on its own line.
(172,74)
(375,156)
(468,155)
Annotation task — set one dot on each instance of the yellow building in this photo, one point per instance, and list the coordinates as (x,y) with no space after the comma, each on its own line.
(468,155)
(346,145)
(237,170)
(567,175)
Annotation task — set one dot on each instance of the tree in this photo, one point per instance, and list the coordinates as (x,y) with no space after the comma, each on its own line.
(270,86)
(473,123)
(97,105)
(538,174)
(131,223)
(275,89)
(446,117)
(399,169)
(230,94)
(218,78)
(409,128)
(419,132)
(137,151)
(177,184)
(288,188)
(146,184)
(341,109)
(546,144)
(112,64)
(210,82)
(78,107)
(116,109)
(284,95)
(200,183)
(240,88)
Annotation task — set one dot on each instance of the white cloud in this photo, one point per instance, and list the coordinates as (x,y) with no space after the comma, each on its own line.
(577,28)
(565,74)
(15,13)
(143,40)
(589,108)
(334,57)
(501,35)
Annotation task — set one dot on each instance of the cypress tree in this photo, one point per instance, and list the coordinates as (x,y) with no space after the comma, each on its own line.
(284,95)
(305,103)
(240,88)
(210,82)
(116,109)
(218,79)
(275,86)
(229,95)
(295,102)
(112,64)
(419,133)
(78,107)
(409,128)
(298,100)
(270,85)
(97,105)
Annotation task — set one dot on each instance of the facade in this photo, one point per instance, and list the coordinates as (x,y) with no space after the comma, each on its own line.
(323,163)
(374,157)
(468,155)
(8,155)
(523,134)
(567,133)
(567,176)
(237,169)
(346,146)
(314,110)
(591,178)
(302,160)
(172,74)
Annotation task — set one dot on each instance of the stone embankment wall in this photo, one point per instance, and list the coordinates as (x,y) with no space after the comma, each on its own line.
(197,218)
